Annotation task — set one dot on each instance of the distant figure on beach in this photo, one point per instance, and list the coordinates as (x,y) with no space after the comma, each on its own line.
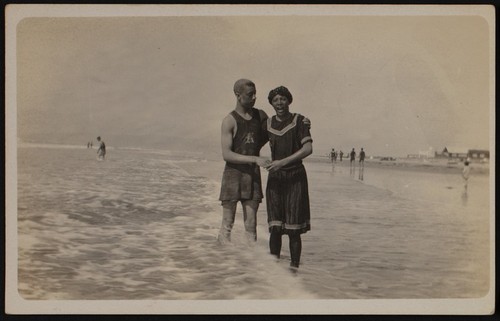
(352,164)
(90,144)
(353,155)
(466,174)
(341,154)
(242,138)
(333,155)
(361,164)
(287,195)
(362,158)
(333,158)
(101,151)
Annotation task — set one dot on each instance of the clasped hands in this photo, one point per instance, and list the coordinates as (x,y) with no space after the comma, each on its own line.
(269,165)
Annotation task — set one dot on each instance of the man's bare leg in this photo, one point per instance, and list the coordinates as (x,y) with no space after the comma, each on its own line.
(250,219)
(228,215)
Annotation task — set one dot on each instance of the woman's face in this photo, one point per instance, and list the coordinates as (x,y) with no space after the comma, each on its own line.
(280,105)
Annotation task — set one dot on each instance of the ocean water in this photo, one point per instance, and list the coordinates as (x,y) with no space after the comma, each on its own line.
(142,225)
(397,234)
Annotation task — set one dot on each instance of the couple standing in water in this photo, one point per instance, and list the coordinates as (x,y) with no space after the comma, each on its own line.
(244,132)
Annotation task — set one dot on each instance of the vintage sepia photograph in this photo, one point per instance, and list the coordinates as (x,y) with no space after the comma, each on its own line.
(250,159)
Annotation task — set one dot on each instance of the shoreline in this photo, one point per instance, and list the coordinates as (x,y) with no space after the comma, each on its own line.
(428,165)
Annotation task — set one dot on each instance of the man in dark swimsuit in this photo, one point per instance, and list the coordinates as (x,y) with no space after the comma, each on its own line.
(242,139)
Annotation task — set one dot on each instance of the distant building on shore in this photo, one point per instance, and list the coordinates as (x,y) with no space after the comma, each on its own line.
(462,154)
(481,154)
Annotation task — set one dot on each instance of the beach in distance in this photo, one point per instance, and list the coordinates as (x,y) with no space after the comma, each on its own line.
(142,225)
(442,165)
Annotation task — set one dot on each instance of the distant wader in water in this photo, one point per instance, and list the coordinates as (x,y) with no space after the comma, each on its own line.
(466,175)
(101,151)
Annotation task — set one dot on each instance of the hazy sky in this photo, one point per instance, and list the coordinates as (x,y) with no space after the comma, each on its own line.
(393,85)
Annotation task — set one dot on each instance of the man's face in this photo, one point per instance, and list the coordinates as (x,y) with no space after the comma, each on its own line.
(280,105)
(247,96)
